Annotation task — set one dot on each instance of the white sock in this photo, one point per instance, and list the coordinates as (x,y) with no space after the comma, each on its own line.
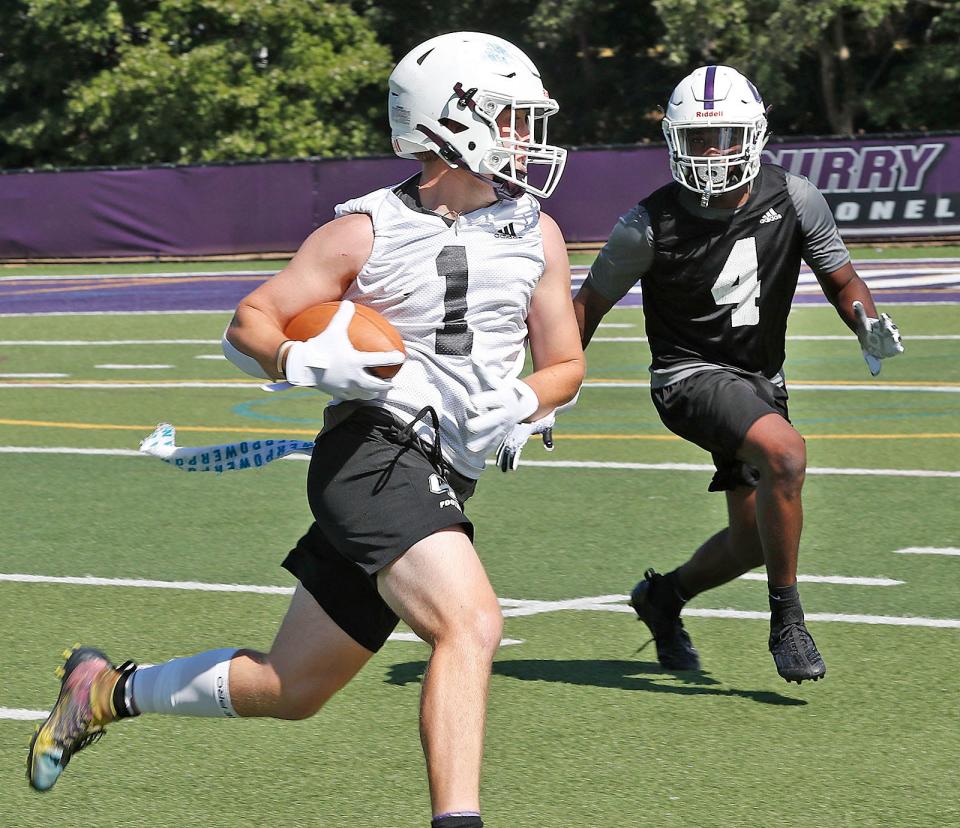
(197,685)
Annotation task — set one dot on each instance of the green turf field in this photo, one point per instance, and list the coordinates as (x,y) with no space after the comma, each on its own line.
(584,730)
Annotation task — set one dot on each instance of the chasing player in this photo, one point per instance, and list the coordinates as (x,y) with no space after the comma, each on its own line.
(717,253)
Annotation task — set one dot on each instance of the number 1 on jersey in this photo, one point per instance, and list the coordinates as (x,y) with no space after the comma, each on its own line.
(454,338)
(738,285)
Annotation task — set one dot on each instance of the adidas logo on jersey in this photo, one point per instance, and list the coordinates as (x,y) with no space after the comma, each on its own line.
(770,215)
(506,232)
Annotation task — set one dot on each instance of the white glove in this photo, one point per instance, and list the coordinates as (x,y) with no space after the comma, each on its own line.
(879,338)
(329,362)
(506,404)
(508,453)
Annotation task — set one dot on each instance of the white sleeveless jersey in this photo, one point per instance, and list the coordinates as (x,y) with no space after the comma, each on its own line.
(459,296)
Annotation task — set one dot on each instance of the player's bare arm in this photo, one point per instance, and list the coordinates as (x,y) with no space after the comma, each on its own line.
(590,307)
(848,293)
(322,269)
(558,361)
(842,288)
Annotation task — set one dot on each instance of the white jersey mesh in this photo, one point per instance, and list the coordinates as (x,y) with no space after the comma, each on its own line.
(419,273)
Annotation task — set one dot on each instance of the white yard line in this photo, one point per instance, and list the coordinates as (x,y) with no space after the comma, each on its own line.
(69,450)
(193,586)
(125,366)
(223,312)
(61,277)
(513,607)
(615,603)
(702,467)
(118,385)
(829,579)
(799,386)
(929,550)
(33,376)
(22,715)
(546,464)
(98,342)
(798,338)
(81,342)
(31,315)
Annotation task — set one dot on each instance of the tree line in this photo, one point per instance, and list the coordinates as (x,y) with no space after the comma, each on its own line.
(118,82)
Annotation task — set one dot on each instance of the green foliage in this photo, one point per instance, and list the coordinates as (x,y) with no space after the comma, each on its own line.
(145,81)
(924,83)
(598,58)
(827,65)
(189,80)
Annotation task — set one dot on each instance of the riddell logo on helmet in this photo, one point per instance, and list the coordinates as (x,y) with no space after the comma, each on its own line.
(713,113)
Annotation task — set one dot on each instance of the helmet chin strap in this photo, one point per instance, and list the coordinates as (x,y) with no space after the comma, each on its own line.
(503,189)
(707,193)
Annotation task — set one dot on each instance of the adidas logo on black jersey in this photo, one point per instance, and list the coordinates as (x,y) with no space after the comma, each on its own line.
(770,215)
(506,232)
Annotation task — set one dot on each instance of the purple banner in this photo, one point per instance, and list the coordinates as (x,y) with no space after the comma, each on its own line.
(876,188)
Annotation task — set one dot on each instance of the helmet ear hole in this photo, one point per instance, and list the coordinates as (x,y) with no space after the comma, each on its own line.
(453,126)
(471,146)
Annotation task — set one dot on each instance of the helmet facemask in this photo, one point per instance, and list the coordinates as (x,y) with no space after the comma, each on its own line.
(717,158)
(494,128)
(518,133)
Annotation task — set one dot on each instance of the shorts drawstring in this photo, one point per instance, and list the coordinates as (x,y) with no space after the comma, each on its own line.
(406,433)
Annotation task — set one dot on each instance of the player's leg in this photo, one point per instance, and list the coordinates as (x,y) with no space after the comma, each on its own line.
(778,452)
(309,661)
(724,556)
(729,553)
(440,589)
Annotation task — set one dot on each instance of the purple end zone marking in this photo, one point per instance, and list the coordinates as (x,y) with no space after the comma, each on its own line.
(930,295)
(221,292)
(218,292)
(708,87)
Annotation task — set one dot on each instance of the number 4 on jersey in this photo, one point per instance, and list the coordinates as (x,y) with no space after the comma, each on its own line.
(738,285)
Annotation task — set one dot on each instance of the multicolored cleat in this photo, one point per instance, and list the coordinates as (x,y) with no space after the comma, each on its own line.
(83,708)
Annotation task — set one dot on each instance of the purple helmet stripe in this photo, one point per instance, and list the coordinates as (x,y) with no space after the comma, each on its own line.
(708,87)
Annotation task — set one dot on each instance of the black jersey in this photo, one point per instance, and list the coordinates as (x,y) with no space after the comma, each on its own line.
(719,291)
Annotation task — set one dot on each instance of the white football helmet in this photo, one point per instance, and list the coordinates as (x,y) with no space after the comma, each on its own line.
(716,127)
(446,96)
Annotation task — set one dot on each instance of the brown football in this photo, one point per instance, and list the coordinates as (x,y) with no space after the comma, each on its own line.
(368,331)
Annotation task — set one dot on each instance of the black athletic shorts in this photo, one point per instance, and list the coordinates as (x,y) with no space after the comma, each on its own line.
(714,409)
(375,489)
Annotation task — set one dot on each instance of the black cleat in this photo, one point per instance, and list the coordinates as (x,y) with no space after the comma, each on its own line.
(795,653)
(674,649)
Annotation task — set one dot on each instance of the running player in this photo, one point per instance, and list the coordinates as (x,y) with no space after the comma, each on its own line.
(462,262)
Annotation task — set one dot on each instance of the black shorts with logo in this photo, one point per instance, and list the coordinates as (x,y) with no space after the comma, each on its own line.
(714,409)
(375,489)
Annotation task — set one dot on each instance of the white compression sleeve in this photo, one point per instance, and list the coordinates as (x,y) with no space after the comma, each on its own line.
(245,363)
(197,685)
